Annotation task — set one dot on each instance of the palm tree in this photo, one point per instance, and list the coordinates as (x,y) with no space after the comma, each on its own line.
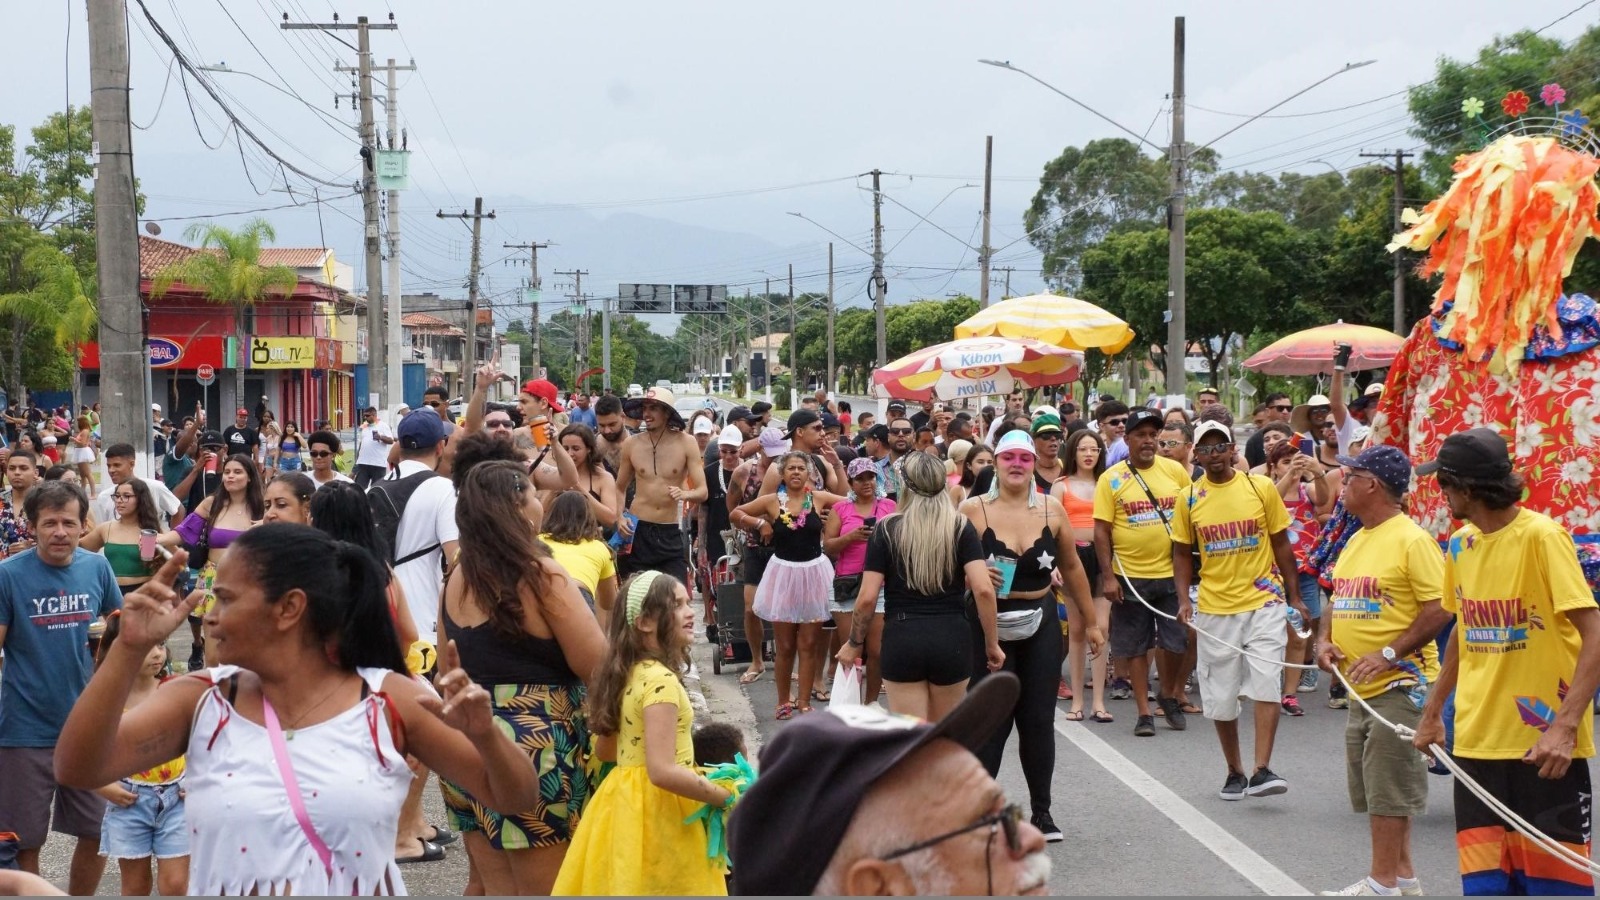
(228,271)
(58,303)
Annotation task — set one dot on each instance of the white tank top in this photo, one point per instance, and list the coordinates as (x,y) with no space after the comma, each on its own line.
(243,836)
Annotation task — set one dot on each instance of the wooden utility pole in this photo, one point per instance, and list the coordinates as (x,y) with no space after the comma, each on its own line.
(766,318)
(1177,339)
(794,368)
(470,363)
(1399,157)
(580,328)
(378,361)
(124,352)
(832,384)
(878,288)
(533,248)
(1008,270)
(985,251)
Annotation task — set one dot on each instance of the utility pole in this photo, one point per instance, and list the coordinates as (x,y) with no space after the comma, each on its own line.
(794,368)
(580,349)
(832,384)
(605,341)
(533,248)
(1399,207)
(1177,339)
(477,216)
(985,251)
(877,288)
(1008,270)
(394,383)
(378,361)
(766,318)
(124,352)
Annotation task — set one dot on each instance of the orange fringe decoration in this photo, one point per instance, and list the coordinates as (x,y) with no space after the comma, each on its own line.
(1505,235)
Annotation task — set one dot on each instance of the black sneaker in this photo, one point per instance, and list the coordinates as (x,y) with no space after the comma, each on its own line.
(1234,787)
(1145,727)
(197,660)
(1043,822)
(1265,783)
(1174,714)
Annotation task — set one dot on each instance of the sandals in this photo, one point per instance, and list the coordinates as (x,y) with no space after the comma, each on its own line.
(820,697)
(751,677)
(805,709)
(785,712)
(1190,709)
(1075,715)
(1102,717)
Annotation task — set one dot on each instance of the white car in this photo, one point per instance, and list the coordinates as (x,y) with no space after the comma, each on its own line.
(635,390)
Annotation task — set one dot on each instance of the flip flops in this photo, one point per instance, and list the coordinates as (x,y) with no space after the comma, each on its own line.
(1075,715)
(751,677)
(820,697)
(1102,717)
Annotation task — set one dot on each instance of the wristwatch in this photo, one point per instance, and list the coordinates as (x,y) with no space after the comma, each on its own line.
(1389,654)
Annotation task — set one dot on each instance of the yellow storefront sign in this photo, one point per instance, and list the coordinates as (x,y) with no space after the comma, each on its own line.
(283,352)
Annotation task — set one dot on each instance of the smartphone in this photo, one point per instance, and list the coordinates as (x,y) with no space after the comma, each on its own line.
(1308,446)
(867,523)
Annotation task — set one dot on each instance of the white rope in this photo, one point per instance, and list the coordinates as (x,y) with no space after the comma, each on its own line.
(1550,845)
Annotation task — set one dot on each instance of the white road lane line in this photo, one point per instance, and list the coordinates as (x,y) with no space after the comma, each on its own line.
(1253,866)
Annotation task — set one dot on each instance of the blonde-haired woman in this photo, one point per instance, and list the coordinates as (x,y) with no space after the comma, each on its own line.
(924,558)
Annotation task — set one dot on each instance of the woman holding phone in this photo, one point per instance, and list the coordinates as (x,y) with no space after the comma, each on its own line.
(1303,484)
(128,541)
(844,539)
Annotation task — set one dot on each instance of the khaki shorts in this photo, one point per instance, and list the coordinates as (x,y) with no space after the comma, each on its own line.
(1225,674)
(1387,776)
(29,795)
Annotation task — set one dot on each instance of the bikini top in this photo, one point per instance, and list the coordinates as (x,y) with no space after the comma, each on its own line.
(1035,563)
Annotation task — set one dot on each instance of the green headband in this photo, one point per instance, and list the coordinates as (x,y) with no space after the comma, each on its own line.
(636,591)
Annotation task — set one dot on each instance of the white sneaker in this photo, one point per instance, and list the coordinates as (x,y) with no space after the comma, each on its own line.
(1362,888)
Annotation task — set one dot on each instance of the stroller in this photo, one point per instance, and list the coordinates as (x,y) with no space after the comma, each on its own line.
(725,599)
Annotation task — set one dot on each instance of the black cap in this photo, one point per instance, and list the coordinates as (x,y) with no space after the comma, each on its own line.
(799,419)
(830,421)
(211,439)
(1478,453)
(740,414)
(879,433)
(760,408)
(896,404)
(1141,417)
(815,772)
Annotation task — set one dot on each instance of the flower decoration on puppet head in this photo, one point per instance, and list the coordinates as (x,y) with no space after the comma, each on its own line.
(1515,103)
(1573,123)
(1472,107)
(1553,95)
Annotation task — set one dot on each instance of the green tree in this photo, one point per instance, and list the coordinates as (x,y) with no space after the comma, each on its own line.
(58,305)
(228,271)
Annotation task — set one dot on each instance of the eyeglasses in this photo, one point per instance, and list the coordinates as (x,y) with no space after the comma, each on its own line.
(1169,445)
(901,431)
(1120,420)
(1214,450)
(320,454)
(1008,820)
(497,423)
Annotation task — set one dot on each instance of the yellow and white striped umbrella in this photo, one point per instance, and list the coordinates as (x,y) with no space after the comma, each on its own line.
(1061,321)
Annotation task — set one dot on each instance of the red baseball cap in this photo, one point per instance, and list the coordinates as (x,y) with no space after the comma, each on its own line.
(242,412)
(544,390)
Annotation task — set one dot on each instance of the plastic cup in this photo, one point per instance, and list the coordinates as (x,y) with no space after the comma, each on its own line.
(147,544)
(1008,573)
(211,464)
(541,436)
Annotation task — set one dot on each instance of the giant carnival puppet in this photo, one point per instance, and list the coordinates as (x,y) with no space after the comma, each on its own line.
(1503,346)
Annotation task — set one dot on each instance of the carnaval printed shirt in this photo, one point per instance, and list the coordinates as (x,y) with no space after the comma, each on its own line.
(1382,579)
(1139,536)
(1511,591)
(1232,525)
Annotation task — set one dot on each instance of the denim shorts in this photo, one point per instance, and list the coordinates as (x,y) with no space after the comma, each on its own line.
(848,604)
(152,826)
(1311,594)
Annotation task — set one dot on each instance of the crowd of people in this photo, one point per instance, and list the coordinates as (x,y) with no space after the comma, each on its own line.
(506,601)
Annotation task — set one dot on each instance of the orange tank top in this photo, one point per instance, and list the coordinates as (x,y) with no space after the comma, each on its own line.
(1080,513)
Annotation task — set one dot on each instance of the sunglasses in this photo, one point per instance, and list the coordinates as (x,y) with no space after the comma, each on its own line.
(1214,450)
(320,454)
(434,403)
(901,431)
(1284,408)
(1168,445)
(497,423)
(1008,820)
(1122,420)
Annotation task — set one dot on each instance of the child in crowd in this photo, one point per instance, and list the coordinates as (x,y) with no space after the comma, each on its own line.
(633,839)
(144,813)
(716,743)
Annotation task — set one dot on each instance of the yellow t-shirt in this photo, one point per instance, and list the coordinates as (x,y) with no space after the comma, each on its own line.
(1383,577)
(1138,536)
(588,562)
(650,683)
(1233,524)
(1516,650)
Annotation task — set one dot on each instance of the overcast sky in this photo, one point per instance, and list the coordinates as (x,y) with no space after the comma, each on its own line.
(714,120)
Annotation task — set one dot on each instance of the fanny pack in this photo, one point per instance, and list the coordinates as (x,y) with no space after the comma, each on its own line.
(845,588)
(1018,625)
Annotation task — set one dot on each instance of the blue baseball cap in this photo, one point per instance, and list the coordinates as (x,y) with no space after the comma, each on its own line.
(1387,464)
(421,430)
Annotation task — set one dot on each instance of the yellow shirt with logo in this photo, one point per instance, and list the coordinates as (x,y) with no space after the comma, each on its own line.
(1383,577)
(1511,591)
(1138,535)
(1233,524)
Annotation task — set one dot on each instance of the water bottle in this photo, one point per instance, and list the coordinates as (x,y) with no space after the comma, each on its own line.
(1298,623)
(624,545)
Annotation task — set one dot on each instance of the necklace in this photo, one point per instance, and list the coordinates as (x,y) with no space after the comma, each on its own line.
(655,467)
(794,522)
(288,731)
(722,478)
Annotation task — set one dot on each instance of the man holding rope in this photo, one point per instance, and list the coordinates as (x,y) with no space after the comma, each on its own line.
(1241,527)
(1524,660)
(1384,615)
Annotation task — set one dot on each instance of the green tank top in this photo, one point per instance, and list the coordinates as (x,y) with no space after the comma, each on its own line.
(125,561)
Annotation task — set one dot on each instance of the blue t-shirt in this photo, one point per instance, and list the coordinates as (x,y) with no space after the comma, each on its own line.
(46,611)
(576,416)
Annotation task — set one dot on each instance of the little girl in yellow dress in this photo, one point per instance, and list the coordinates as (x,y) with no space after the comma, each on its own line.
(633,838)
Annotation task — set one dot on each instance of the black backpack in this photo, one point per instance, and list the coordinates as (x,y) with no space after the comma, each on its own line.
(388,499)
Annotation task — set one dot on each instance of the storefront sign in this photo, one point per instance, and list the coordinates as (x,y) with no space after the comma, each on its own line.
(283,352)
(164,353)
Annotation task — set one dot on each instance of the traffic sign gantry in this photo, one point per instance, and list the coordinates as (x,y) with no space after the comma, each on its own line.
(205,374)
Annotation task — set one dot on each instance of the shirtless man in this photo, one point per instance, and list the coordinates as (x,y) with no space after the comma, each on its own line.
(662,463)
(610,434)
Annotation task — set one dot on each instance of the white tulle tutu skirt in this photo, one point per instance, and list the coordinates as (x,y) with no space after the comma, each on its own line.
(795,592)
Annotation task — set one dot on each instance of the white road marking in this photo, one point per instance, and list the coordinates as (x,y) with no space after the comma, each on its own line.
(1253,866)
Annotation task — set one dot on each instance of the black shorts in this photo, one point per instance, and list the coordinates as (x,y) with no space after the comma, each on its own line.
(1135,630)
(1091,567)
(934,648)
(754,562)
(1492,858)
(656,548)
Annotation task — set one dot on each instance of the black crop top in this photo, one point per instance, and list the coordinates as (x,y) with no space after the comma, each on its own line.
(801,544)
(491,658)
(1035,564)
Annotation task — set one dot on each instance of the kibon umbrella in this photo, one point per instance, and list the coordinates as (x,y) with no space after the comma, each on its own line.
(1310,352)
(976,367)
(1063,321)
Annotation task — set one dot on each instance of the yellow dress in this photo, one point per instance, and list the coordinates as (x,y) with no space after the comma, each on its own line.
(632,839)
